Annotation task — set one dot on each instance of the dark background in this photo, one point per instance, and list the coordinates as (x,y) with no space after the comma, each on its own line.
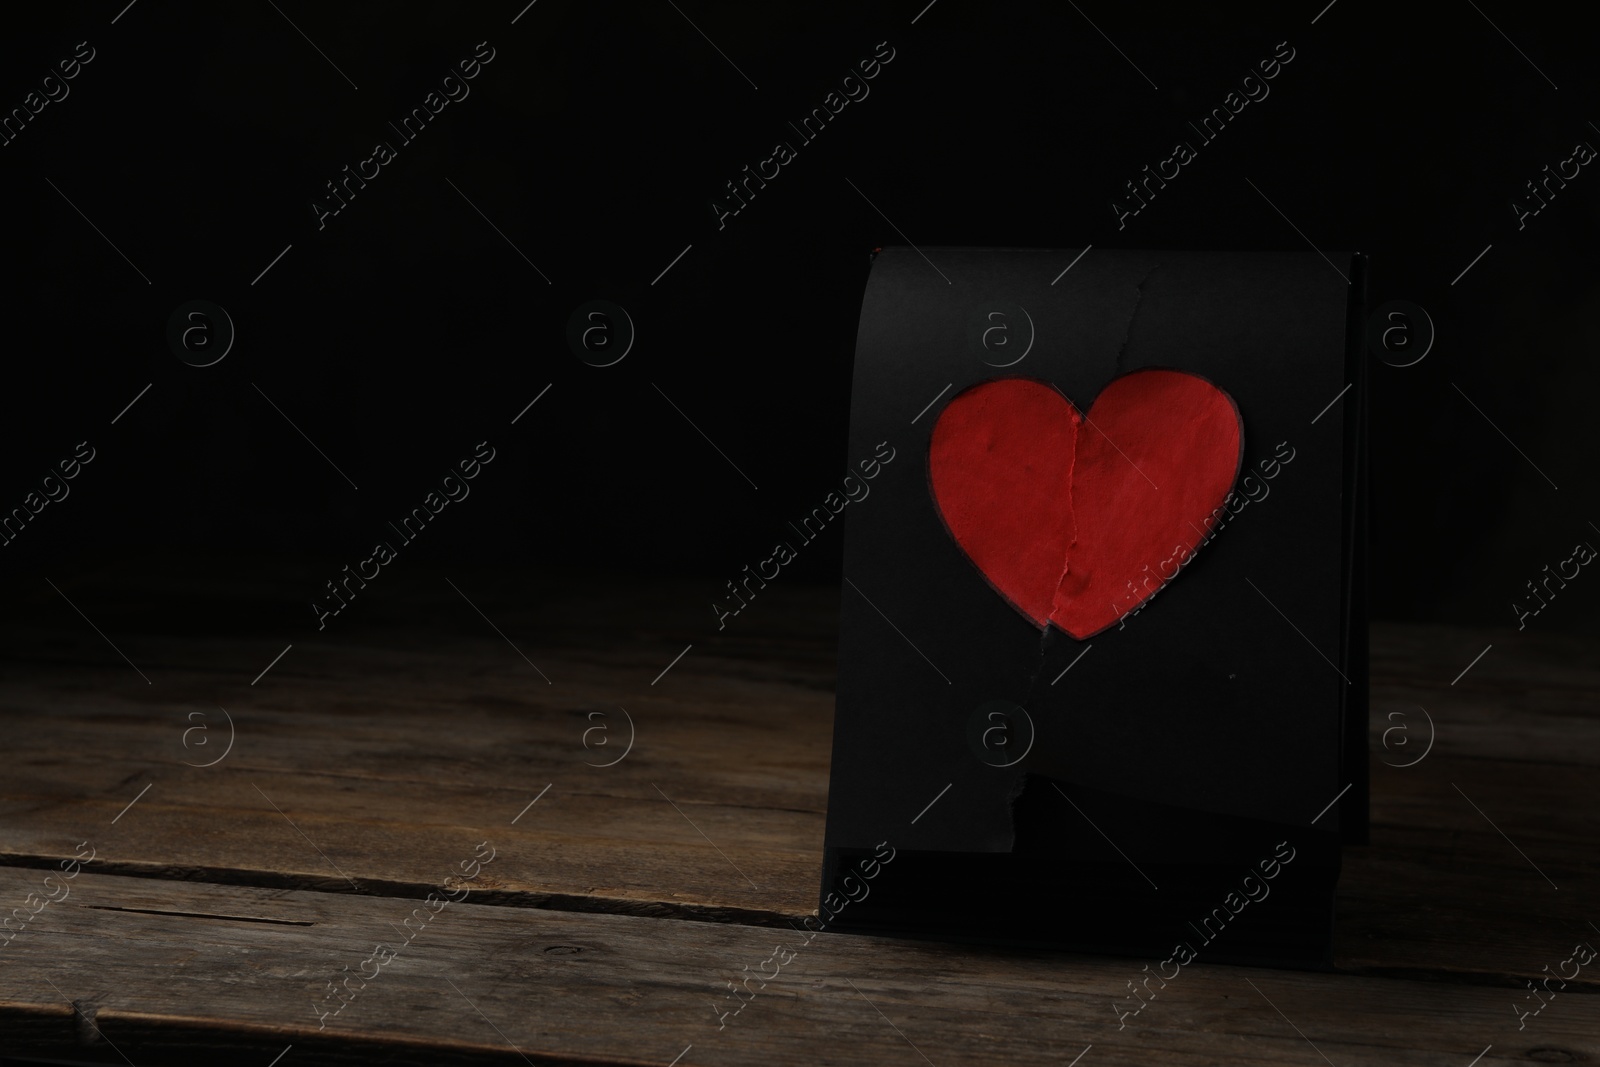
(408,329)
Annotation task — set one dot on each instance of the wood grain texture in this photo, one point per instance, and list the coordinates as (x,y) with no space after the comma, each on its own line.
(367,764)
(380,755)
(577,988)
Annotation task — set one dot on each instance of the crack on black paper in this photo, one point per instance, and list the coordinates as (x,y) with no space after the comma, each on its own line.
(1138,300)
(1047,638)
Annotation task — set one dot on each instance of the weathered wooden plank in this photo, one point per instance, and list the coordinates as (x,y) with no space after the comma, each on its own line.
(1532,697)
(159,966)
(374,752)
(380,758)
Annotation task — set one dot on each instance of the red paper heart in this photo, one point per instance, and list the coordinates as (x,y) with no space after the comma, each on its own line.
(1078,519)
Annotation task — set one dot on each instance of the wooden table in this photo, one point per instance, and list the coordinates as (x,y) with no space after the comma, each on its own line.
(375,760)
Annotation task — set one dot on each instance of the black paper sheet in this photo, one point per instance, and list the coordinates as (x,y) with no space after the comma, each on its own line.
(1221,719)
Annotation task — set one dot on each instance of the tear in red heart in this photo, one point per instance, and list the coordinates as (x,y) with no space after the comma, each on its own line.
(1078,519)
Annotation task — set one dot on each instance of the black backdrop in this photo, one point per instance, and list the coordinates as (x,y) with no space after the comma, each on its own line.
(188,152)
